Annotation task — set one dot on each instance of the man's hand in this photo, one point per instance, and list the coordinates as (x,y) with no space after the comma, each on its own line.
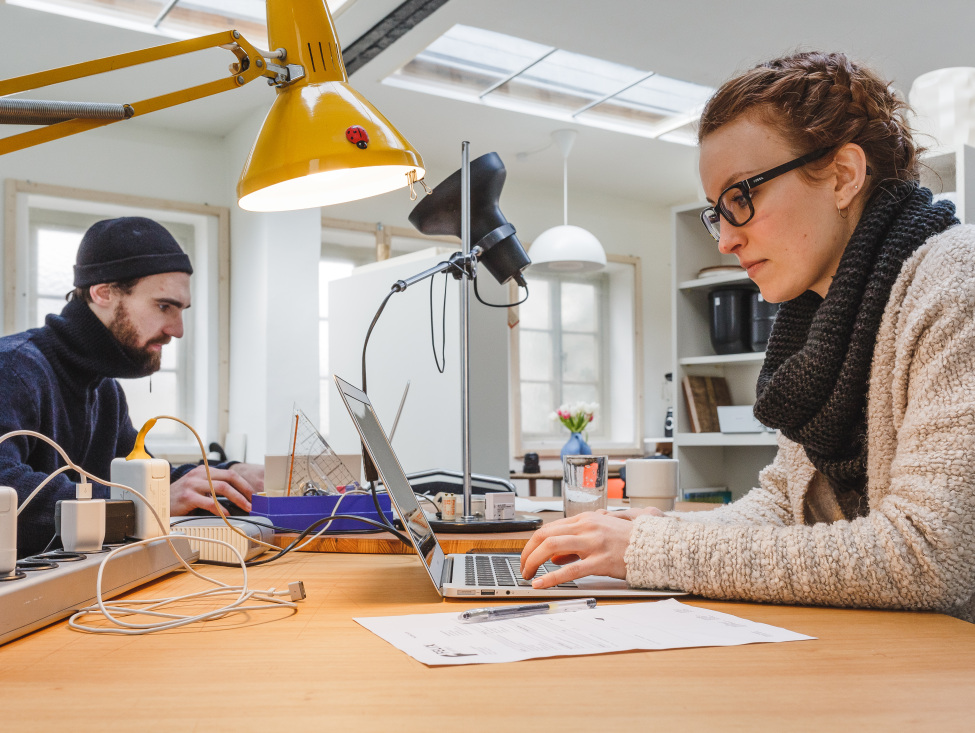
(593,543)
(252,473)
(192,491)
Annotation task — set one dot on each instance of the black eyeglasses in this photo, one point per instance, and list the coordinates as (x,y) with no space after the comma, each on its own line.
(735,204)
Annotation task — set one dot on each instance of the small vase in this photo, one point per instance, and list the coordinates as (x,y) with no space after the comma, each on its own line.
(575,446)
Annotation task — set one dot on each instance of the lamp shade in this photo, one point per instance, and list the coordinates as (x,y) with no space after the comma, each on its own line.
(566,248)
(321,143)
(944,106)
(440,213)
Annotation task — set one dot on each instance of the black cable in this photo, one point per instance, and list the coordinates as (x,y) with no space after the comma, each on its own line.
(311,529)
(379,509)
(49,544)
(368,468)
(443,327)
(498,305)
(365,344)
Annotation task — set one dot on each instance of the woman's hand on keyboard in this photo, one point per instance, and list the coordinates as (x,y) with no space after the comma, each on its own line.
(596,540)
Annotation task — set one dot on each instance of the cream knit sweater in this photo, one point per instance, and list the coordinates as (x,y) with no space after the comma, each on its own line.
(915,549)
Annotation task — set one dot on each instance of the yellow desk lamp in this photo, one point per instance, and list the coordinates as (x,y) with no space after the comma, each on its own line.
(322,143)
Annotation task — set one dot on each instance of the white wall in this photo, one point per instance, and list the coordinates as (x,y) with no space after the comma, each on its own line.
(128,158)
(274,315)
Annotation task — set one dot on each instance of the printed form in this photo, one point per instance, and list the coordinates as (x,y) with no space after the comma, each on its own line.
(442,639)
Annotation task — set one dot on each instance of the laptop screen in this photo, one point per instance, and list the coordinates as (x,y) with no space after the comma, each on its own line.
(394,478)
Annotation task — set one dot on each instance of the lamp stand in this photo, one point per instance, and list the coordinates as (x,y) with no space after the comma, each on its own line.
(468,522)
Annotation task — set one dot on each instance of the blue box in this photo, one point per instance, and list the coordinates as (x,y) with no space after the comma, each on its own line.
(298,512)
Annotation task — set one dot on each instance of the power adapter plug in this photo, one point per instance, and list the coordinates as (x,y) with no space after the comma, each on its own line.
(83,521)
(150,478)
(8,530)
(119,520)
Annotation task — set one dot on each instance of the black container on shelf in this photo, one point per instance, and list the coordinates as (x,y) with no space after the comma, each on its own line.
(762,317)
(730,332)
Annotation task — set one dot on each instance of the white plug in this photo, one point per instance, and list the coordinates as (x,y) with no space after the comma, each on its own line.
(8,530)
(150,477)
(83,521)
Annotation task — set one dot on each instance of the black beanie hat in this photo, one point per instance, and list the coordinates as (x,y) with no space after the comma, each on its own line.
(126,248)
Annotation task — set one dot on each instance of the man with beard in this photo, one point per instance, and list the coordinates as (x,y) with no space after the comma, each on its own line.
(132,284)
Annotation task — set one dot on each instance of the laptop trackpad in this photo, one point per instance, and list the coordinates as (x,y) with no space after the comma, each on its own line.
(600,582)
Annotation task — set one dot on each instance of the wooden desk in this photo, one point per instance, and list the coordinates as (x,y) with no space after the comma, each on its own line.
(319,670)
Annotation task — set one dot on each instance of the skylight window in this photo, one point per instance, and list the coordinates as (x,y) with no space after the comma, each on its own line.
(173,18)
(484,67)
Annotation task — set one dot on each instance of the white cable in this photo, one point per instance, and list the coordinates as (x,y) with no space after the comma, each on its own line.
(268,600)
(335,510)
(40,486)
(213,492)
(244,594)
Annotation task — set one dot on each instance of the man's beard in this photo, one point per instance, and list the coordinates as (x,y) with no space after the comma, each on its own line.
(122,328)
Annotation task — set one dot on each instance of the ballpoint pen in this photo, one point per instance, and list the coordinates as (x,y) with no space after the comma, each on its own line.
(532,609)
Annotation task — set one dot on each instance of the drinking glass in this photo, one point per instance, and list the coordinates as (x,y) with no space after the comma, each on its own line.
(583,484)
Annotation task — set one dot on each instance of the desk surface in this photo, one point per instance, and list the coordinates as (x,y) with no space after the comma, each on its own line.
(318,669)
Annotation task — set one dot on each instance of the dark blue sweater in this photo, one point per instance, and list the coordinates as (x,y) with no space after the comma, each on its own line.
(59,381)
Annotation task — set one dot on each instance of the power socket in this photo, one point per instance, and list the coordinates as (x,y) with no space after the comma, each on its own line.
(149,477)
(8,530)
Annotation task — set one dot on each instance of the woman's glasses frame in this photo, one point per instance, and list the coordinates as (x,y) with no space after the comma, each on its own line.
(711,216)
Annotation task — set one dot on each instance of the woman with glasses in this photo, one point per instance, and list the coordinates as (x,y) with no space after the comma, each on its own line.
(869,375)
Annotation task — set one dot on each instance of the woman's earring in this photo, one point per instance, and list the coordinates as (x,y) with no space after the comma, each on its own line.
(842,212)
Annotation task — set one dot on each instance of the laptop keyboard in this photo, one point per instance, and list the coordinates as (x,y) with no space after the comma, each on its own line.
(499,570)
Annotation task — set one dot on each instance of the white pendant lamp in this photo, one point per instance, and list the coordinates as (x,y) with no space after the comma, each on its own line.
(566,248)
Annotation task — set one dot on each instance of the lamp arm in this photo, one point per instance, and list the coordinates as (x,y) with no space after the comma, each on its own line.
(250,65)
(461,265)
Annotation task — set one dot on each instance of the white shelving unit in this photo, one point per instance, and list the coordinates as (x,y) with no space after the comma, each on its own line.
(945,172)
(710,460)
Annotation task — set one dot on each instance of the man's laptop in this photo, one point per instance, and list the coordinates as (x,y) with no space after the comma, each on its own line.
(461,576)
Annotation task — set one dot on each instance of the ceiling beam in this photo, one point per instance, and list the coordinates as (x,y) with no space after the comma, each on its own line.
(387,31)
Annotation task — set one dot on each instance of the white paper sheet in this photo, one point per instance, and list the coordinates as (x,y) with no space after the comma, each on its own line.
(441,639)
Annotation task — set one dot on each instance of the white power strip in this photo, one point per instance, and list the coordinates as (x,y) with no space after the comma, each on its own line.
(214,528)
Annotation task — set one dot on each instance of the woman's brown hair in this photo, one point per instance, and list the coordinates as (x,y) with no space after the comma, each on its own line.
(823,100)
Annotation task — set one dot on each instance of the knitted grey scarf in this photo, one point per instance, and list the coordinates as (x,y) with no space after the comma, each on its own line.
(813,384)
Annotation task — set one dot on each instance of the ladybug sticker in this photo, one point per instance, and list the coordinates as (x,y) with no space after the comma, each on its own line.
(358,136)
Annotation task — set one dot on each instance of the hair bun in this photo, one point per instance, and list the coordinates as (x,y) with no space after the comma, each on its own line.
(822,100)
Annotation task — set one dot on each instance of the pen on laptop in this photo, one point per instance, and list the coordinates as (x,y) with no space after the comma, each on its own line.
(531,609)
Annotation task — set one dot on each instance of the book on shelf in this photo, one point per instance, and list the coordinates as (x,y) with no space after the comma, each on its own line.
(708,496)
(703,396)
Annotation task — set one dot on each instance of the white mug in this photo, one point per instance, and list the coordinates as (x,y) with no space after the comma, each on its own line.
(651,477)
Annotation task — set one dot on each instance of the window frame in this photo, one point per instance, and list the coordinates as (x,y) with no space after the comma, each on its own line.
(558,333)
(20,196)
(604,444)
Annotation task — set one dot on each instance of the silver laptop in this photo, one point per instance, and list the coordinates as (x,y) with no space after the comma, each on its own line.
(462,576)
